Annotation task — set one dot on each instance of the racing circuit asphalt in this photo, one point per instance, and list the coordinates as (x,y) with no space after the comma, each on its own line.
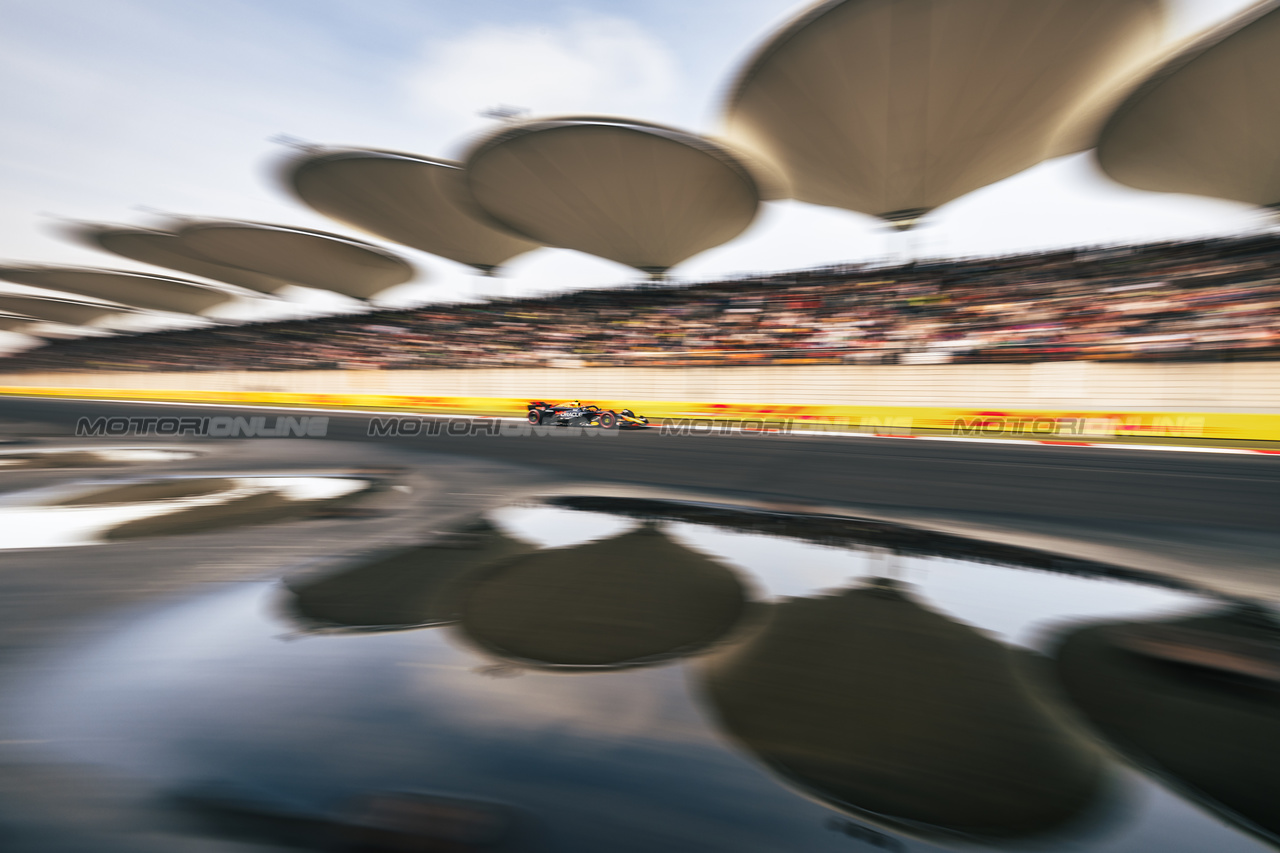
(1188,512)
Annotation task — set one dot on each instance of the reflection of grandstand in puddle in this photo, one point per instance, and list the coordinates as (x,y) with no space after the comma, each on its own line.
(90,513)
(1195,701)
(892,711)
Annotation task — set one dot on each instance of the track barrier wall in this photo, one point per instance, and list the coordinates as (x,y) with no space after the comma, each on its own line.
(1086,401)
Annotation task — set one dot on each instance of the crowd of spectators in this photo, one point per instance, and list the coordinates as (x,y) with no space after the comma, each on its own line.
(1209,299)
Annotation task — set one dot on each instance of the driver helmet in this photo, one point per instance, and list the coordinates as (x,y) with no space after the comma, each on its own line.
(573,403)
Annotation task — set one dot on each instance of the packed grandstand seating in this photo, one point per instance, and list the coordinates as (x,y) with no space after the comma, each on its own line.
(1210,299)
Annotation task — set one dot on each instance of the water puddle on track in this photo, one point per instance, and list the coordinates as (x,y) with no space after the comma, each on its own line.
(626,675)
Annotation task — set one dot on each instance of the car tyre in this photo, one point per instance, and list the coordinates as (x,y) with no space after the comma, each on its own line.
(608,420)
(535,417)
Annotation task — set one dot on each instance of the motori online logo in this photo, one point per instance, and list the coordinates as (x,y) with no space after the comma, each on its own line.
(407,427)
(411,427)
(211,426)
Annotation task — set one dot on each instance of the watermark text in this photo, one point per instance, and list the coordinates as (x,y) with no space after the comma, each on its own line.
(214,426)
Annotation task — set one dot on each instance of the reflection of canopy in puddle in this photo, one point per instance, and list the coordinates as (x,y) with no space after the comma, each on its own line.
(1195,700)
(873,702)
(408,589)
(634,598)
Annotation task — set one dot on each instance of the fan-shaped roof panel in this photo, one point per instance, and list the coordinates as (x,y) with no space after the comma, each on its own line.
(152,292)
(11,323)
(640,194)
(164,249)
(415,201)
(894,107)
(56,310)
(310,258)
(1207,122)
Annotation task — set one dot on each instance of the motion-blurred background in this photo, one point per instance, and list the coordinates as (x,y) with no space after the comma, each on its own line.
(788,151)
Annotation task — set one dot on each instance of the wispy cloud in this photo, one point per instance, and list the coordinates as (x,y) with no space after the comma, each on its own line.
(592,65)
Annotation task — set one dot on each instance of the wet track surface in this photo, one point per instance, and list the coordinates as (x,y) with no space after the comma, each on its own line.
(505,643)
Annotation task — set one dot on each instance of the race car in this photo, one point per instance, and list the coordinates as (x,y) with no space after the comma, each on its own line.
(573,413)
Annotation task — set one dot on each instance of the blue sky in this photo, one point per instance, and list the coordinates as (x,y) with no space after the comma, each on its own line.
(169,105)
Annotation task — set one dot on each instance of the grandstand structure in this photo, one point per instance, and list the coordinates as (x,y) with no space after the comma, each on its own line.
(1201,300)
(883,107)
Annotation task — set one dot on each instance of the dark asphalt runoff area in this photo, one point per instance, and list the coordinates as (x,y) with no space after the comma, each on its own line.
(1178,511)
